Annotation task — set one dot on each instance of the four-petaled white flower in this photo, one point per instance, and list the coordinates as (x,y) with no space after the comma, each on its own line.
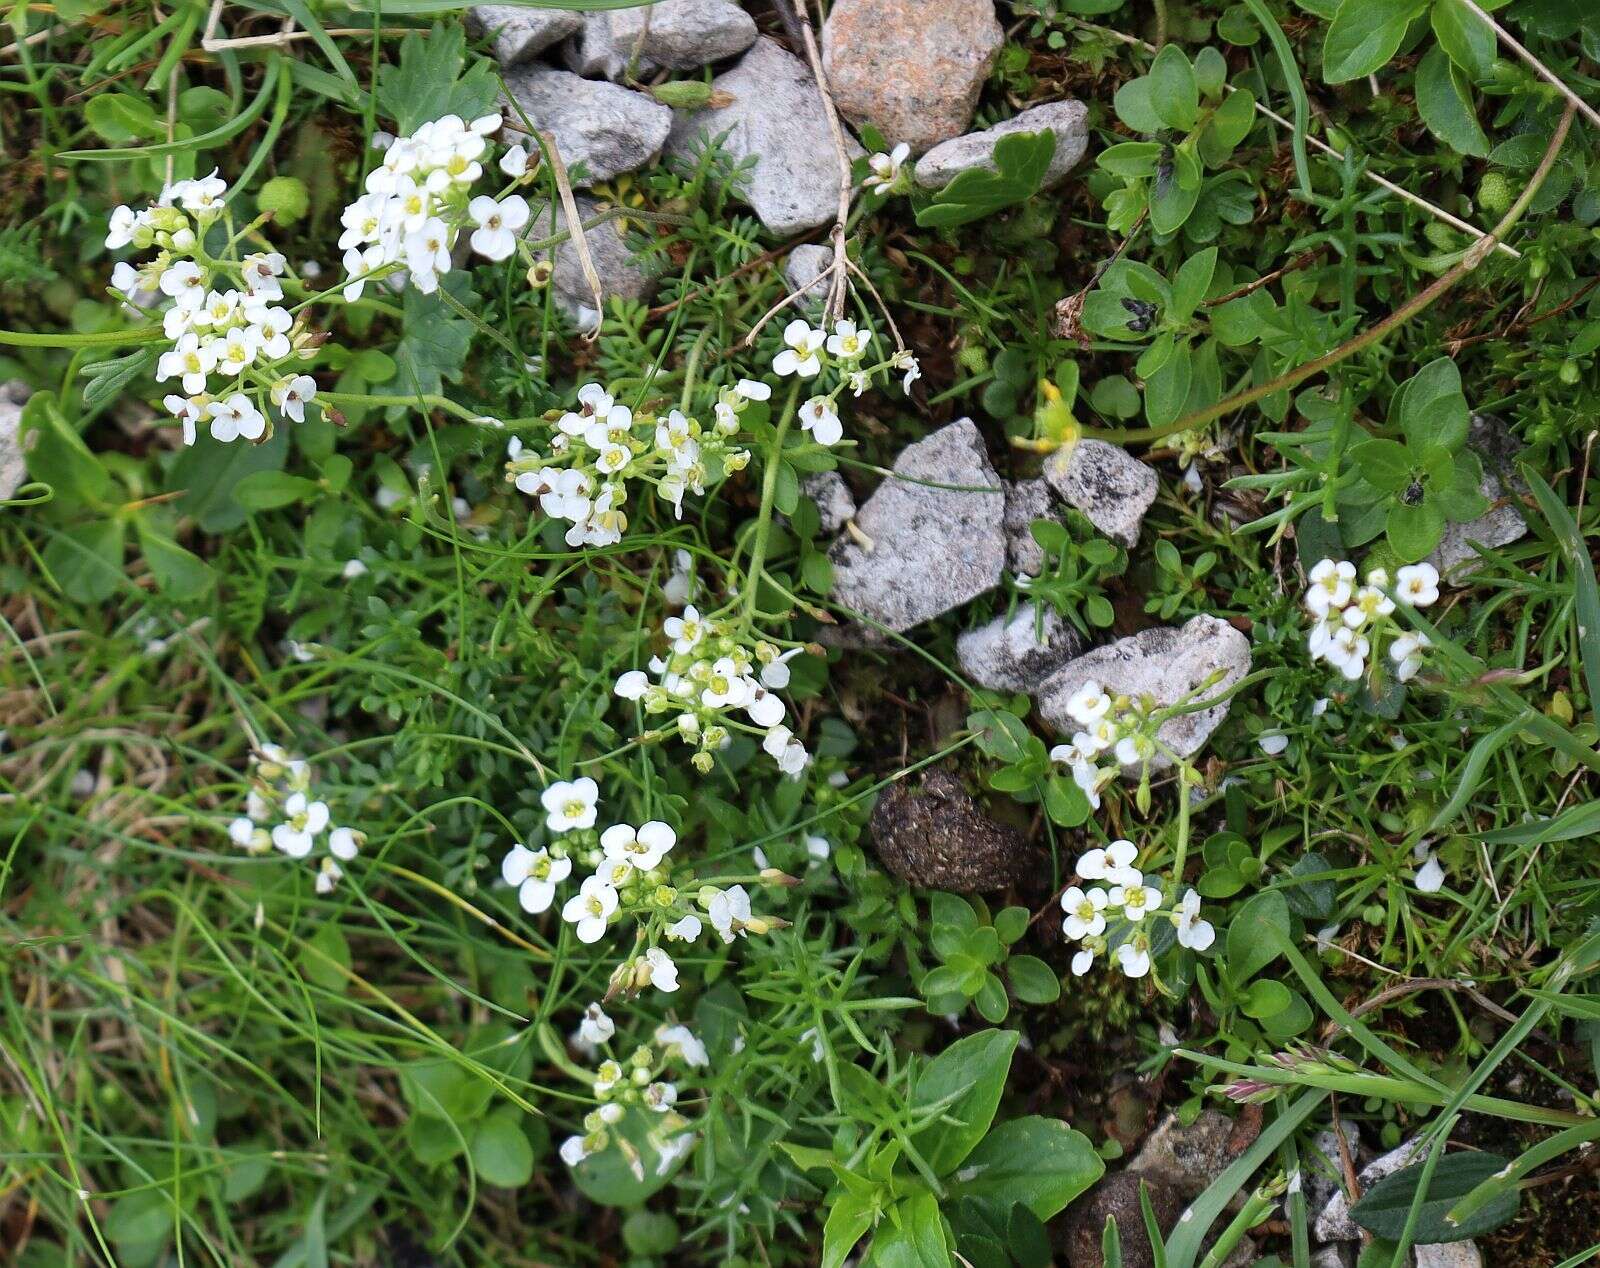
(590,909)
(570,805)
(1114,863)
(849,342)
(1418,584)
(1332,584)
(884,169)
(1194,933)
(291,394)
(644,847)
(1085,912)
(1137,899)
(663,972)
(303,821)
(1406,652)
(728,911)
(800,357)
(534,874)
(818,417)
(498,223)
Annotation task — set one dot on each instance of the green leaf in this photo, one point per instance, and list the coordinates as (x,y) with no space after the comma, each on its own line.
(849,1218)
(105,380)
(56,454)
(628,1170)
(1255,935)
(911,1235)
(1173,196)
(1166,391)
(1445,103)
(1265,997)
(87,560)
(1190,284)
(1001,735)
(1136,108)
(1134,160)
(435,343)
(267,490)
(429,81)
(1039,1162)
(500,1150)
(1174,94)
(1021,160)
(180,573)
(209,472)
(1465,38)
(1432,407)
(1413,531)
(1570,825)
(1033,981)
(967,1079)
(1364,35)
(1384,464)
(1386,1207)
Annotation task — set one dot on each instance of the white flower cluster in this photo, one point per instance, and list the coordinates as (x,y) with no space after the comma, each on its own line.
(636,1084)
(1114,725)
(281,796)
(600,446)
(1128,901)
(416,203)
(708,674)
(1350,618)
(223,315)
(809,350)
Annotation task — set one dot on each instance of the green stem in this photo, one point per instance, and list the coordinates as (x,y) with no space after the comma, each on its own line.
(769,491)
(432,402)
(102,339)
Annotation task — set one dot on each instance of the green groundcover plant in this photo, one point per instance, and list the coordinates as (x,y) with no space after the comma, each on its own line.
(439,786)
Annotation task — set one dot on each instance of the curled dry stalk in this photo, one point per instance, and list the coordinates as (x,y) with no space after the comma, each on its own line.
(1418,303)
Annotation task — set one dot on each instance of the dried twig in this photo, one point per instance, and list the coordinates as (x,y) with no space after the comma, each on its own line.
(1538,67)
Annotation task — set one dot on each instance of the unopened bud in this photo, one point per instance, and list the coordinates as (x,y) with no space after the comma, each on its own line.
(690,94)
(776,876)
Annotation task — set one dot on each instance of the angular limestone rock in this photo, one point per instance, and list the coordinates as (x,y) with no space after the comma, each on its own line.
(606,129)
(1017,652)
(13,467)
(683,34)
(1110,486)
(835,503)
(614,263)
(931,549)
(1502,523)
(1026,501)
(522,34)
(1069,120)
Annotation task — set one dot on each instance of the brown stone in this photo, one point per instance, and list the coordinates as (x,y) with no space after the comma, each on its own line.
(935,836)
(911,68)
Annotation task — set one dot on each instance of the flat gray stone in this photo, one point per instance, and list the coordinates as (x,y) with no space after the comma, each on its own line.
(1449,1255)
(594,52)
(1026,501)
(1165,663)
(1333,1223)
(1339,1255)
(932,549)
(1322,1169)
(777,119)
(1502,523)
(607,129)
(835,503)
(1069,120)
(1190,1156)
(911,68)
(684,34)
(522,34)
(1017,652)
(614,263)
(1110,486)
(806,270)
(13,468)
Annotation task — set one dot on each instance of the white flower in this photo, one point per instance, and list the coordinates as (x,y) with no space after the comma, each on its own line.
(261,272)
(1133,749)
(1368,604)
(663,972)
(685,930)
(1272,742)
(242,832)
(725,686)
(661,1096)
(1085,912)
(235,417)
(1083,960)
(344,843)
(595,1028)
(644,848)
(573,1151)
(903,360)
(1088,704)
(784,749)
(687,1046)
(728,912)
(1133,957)
(570,805)
(800,357)
(1331,586)
(498,222)
(1430,876)
(753,390)
(124,220)
(202,196)
(590,908)
(303,820)
(1194,933)
(775,674)
(817,416)
(535,874)
(186,412)
(1418,584)
(1137,900)
(328,875)
(632,685)
(886,169)
(427,254)
(1114,864)
(188,360)
(847,342)
(291,394)
(1347,652)
(685,631)
(1406,652)
(514,162)
(764,708)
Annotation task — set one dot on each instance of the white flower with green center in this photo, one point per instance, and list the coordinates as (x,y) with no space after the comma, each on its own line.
(643,847)
(1085,912)
(1418,584)
(590,909)
(800,356)
(1088,704)
(1332,584)
(1137,900)
(534,874)
(303,822)
(570,805)
(848,342)
(1133,956)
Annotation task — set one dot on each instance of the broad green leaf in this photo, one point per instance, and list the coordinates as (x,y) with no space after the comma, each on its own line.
(967,1079)
(87,560)
(1384,464)
(1414,530)
(1386,1207)
(1465,38)
(1255,935)
(180,573)
(1174,93)
(1133,159)
(429,80)
(1364,35)
(209,473)
(1021,160)
(434,344)
(628,1170)
(849,1219)
(1040,1162)
(500,1150)
(267,490)
(1190,283)
(1433,409)
(1135,108)
(911,1235)
(56,454)
(1445,103)
(1174,192)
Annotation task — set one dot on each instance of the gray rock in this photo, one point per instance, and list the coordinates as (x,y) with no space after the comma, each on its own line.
(911,68)
(932,549)
(1340,1255)
(1322,1169)
(806,270)
(1334,1224)
(777,119)
(614,263)
(1165,664)
(1449,1255)
(684,34)
(522,34)
(1067,119)
(1189,1157)
(1017,652)
(1026,501)
(607,129)
(1110,486)
(13,468)
(595,53)
(1502,523)
(835,503)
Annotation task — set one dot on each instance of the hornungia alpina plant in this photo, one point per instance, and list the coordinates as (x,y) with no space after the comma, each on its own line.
(284,811)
